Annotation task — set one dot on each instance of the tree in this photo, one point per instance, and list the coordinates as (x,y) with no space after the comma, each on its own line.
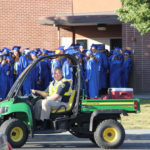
(136,12)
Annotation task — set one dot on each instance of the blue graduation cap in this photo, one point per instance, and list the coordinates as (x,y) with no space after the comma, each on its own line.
(81,46)
(33,53)
(94,46)
(127,52)
(76,46)
(71,51)
(37,49)
(62,50)
(51,53)
(61,47)
(6,50)
(16,48)
(101,47)
(27,52)
(116,53)
(117,48)
(89,52)
(45,51)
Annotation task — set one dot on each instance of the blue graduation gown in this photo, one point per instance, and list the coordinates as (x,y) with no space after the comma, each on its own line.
(44,75)
(92,77)
(67,70)
(27,85)
(11,76)
(16,72)
(4,80)
(98,56)
(103,71)
(116,74)
(127,65)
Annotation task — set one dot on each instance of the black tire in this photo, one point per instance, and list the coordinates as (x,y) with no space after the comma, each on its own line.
(16,132)
(109,134)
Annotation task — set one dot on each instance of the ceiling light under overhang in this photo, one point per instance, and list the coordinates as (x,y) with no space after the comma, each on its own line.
(101,27)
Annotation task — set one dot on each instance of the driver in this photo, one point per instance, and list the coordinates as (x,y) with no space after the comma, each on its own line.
(58,94)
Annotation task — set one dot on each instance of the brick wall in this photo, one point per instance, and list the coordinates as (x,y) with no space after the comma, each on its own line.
(19,22)
(140,79)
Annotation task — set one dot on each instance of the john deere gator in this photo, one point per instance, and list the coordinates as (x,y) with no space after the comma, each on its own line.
(95,119)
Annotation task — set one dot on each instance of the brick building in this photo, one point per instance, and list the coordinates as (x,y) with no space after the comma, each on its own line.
(50,23)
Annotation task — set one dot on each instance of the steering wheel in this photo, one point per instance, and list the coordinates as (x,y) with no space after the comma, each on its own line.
(37,95)
(34,97)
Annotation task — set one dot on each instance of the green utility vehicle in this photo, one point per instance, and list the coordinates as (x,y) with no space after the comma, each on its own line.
(95,119)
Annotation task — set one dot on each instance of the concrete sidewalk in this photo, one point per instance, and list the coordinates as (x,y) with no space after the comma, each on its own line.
(142,95)
(141,134)
(138,134)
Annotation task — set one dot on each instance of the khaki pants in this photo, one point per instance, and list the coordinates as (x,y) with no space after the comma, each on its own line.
(43,108)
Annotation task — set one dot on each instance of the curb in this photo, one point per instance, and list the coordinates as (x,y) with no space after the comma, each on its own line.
(66,136)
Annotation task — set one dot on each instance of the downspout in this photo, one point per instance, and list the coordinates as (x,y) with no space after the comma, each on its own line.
(58,33)
(73,35)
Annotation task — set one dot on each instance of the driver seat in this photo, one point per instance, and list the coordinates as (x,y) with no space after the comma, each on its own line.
(71,102)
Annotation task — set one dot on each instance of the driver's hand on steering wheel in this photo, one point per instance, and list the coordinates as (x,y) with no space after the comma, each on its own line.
(33,91)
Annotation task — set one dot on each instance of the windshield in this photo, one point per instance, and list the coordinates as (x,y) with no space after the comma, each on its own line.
(39,74)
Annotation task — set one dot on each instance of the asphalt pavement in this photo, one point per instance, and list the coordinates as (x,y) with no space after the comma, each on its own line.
(135,139)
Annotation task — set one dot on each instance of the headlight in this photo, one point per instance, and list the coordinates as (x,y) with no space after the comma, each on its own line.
(3,110)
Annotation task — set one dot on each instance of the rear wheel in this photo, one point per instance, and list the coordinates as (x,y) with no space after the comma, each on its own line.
(16,132)
(109,134)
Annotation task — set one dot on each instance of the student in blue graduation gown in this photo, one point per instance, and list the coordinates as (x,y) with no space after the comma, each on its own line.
(16,56)
(104,69)
(43,73)
(62,51)
(36,82)
(83,83)
(6,51)
(127,66)
(116,73)
(67,69)
(99,64)
(45,53)
(57,62)
(38,52)
(4,78)
(9,60)
(24,61)
(92,75)
(118,51)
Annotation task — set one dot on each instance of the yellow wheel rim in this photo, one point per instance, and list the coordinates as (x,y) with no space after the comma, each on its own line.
(110,135)
(16,134)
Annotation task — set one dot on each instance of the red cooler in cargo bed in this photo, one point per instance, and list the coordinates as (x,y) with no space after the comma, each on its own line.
(120,93)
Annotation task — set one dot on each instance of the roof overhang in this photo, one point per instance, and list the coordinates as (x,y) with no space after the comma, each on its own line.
(79,20)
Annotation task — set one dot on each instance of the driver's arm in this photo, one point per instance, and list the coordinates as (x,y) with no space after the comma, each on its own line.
(43,93)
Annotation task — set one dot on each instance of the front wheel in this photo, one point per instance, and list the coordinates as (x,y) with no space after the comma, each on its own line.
(16,132)
(109,134)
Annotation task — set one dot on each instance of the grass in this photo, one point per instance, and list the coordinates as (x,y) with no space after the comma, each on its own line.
(138,121)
